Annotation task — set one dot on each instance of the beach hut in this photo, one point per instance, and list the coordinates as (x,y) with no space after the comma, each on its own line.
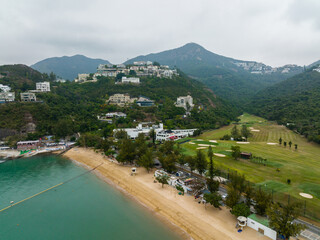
(242,222)
(133,171)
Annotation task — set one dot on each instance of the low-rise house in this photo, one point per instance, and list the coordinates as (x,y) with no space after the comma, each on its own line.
(141,128)
(7,97)
(28,97)
(185,102)
(5,88)
(133,80)
(144,102)
(85,77)
(43,86)
(261,224)
(317,69)
(110,116)
(121,99)
(25,145)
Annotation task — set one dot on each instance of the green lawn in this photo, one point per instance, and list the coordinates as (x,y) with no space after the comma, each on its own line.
(301,166)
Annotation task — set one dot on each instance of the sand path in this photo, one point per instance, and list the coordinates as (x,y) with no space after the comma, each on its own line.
(182,211)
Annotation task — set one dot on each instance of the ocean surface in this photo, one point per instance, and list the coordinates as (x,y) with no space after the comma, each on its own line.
(83,207)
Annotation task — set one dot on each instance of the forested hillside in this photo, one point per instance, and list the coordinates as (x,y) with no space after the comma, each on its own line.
(73,107)
(232,79)
(68,67)
(294,102)
(22,77)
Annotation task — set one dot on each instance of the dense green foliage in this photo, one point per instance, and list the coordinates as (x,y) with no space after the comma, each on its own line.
(68,67)
(294,103)
(241,209)
(71,107)
(282,219)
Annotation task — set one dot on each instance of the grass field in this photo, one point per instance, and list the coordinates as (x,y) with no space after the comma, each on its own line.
(301,166)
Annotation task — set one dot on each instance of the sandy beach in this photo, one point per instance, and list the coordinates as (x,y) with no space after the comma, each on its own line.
(182,213)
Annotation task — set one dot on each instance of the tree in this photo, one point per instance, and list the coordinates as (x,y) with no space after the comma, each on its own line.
(245,132)
(191,162)
(213,198)
(285,144)
(146,160)
(127,151)
(233,197)
(162,179)
(140,145)
(282,219)
(249,194)
(235,132)
(201,162)
(122,134)
(290,143)
(280,141)
(132,73)
(120,75)
(152,135)
(262,200)
(212,185)
(296,146)
(235,152)
(211,169)
(156,64)
(240,209)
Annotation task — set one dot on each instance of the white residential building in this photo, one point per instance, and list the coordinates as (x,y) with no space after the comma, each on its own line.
(184,102)
(43,86)
(4,88)
(121,99)
(161,133)
(82,77)
(141,128)
(317,69)
(7,96)
(109,116)
(28,97)
(130,80)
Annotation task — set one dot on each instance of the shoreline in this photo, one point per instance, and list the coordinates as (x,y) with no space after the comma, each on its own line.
(182,214)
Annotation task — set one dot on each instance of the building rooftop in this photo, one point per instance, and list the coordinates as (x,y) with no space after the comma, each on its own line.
(262,220)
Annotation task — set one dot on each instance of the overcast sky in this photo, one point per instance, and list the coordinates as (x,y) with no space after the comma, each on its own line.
(275,32)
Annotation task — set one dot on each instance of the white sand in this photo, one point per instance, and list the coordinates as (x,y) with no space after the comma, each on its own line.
(243,142)
(191,143)
(306,195)
(219,155)
(202,148)
(9,153)
(204,145)
(271,143)
(213,141)
(228,150)
(199,139)
(255,130)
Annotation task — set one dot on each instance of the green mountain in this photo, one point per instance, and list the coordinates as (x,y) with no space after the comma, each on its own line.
(294,102)
(21,77)
(72,107)
(232,79)
(68,67)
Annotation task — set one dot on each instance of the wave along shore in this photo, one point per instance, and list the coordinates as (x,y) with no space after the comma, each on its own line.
(182,213)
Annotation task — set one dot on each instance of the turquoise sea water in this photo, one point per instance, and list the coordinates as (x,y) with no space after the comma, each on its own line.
(83,208)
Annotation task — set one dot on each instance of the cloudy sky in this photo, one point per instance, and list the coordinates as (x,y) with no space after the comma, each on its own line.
(270,31)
